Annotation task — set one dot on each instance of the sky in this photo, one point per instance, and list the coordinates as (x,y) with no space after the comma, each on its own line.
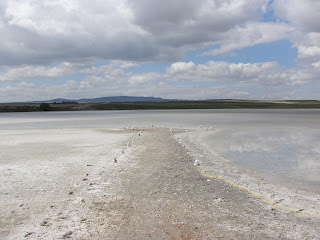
(175,49)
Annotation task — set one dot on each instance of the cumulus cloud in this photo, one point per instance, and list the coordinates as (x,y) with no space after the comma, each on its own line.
(266,74)
(34,72)
(251,34)
(181,67)
(304,17)
(41,32)
(90,47)
(139,79)
(44,32)
(214,71)
(186,80)
(303,14)
(306,52)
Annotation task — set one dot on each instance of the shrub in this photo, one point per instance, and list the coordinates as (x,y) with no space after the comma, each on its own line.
(45,107)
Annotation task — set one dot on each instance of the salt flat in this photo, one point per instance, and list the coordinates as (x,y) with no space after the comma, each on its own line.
(60,180)
(45,172)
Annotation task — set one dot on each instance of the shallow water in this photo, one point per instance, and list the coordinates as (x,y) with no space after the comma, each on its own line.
(287,155)
(282,145)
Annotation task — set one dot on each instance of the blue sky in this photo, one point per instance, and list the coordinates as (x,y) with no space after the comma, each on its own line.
(206,49)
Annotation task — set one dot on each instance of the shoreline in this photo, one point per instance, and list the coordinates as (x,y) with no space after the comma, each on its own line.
(154,191)
(153,105)
(274,194)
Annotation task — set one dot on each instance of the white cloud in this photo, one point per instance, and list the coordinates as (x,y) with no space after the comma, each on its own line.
(214,71)
(302,14)
(179,67)
(316,65)
(138,79)
(306,52)
(45,32)
(35,72)
(100,40)
(250,34)
(186,80)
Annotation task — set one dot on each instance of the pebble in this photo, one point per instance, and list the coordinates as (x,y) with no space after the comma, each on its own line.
(28,234)
(44,223)
(80,200)
(67,234)
(196,163)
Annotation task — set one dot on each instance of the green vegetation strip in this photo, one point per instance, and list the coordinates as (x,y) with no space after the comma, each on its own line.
(209,104)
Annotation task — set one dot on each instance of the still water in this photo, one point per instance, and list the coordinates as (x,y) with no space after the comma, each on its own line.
(283,145)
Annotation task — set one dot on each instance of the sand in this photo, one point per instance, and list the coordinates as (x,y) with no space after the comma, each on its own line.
(63,185)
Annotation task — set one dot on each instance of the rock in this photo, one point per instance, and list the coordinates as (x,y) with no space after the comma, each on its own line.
(28,234)
(44,223)
(80,200)
(196,163)
(67,234)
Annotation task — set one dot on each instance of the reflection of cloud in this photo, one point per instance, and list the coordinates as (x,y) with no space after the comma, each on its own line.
(309,165)
(298,150)
(315,149)
(268,141)
(249,146)
(291,153)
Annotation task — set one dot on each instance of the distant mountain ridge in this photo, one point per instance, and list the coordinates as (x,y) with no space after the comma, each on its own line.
(109,99)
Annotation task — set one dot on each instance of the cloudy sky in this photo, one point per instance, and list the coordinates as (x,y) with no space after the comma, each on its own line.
(188,49)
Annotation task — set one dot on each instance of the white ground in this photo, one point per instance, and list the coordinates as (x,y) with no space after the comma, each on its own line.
(64,183)
(47,175)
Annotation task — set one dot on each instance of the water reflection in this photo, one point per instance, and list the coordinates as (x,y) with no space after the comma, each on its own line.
(288,153)
(284,144)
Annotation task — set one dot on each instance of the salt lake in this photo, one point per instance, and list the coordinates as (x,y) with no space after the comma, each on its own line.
(281,145)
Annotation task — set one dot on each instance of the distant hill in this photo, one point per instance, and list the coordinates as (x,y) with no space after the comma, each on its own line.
(122,99)
(108,99)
